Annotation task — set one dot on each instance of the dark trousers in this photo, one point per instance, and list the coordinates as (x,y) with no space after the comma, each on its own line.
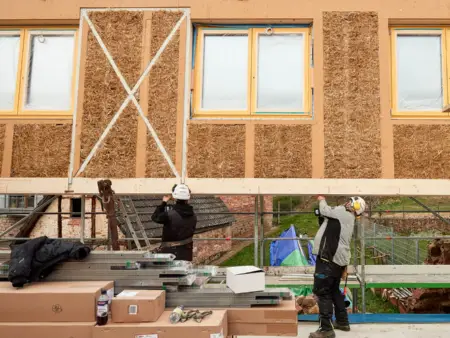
(327,279)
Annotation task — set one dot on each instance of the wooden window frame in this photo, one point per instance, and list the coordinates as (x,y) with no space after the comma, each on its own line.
(19,111)
(424,31)
(251,111)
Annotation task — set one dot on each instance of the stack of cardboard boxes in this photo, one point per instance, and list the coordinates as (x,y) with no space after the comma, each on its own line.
(50,310)
(68,310)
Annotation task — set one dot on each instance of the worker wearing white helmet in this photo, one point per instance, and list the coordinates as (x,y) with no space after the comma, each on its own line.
(179,223)
(332,247)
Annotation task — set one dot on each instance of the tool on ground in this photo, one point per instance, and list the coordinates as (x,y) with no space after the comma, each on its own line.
(194,314)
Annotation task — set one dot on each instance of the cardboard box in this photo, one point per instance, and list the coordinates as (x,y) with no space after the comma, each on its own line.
(46,330)
(254,329)
(138,306)
(51,302)
(213,326)
(285,313)
(242,279)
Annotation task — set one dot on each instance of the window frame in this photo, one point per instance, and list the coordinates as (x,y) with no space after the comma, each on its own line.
(19,111)
(250,112)
(445,63)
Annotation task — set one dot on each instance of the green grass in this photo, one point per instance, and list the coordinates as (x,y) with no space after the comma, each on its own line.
(375,304)
(304,224)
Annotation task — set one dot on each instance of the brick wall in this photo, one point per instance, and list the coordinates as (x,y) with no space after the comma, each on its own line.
(5,223)
(207,251)
(244,225)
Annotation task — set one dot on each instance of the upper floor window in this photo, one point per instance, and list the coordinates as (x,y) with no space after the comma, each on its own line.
(252,72)
(37,67)
(419,72)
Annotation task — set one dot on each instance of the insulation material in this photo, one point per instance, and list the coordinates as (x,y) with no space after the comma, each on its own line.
(104,94)
(216,151)
(163,94)
(2,142)
(351,95)
(283,151)
(422,151)
(41,150)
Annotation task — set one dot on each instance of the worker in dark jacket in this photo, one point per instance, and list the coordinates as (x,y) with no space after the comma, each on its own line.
(332,247)
(179,223)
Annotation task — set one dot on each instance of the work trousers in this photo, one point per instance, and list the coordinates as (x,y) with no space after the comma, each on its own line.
(327,279)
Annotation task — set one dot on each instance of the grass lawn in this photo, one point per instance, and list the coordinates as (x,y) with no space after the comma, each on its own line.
(375,304)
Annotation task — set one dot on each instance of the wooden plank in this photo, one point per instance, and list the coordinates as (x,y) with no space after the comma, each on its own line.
(141,149)
(7,150)
(406,270)
(446,109)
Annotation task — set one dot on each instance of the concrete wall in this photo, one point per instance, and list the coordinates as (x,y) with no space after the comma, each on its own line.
(352,134)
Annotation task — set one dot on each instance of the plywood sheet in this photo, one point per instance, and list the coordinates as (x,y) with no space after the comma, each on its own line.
(216,151)
(122,34)
(283,151)
(422,151)
(41,150)
(163,94)
(351,95)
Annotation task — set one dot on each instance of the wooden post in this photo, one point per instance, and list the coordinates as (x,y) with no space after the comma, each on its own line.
(93,216)
(59,216)
(107,196)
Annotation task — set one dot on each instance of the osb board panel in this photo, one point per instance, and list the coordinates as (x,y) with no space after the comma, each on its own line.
(2,142)
(41,150)
(421,151)
(351,95)
(216,151)
(163,94)
(104,94)
(283,151)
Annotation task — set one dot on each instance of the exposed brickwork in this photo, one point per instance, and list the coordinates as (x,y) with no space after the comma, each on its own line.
(207,251)
(5,223)
(244,225)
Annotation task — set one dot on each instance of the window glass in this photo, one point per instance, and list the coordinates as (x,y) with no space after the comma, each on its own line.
(281,72)
(419,73)
(50,70)
(225,72)
(9,61)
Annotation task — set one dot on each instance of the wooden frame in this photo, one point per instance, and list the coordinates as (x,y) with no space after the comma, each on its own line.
(231,186)
(19,111)
(251,110)
(306,110)
(424,31)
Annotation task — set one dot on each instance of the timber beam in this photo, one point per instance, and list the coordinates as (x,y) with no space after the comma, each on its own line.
(231,186)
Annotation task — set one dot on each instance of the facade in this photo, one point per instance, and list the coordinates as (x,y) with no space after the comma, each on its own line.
(275,89)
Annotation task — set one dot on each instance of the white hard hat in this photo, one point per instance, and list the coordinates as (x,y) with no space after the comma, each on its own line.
(358,204)
(181,192)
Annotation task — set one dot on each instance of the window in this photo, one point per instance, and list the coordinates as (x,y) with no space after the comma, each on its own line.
(19,201)
(75,207)
(419,72)
(252,72)
(37,69)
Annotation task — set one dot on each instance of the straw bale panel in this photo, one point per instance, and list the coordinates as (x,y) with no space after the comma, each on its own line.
(351,95)
(283,151)
(216,151)
(104,94)
(422,151)
(41,150)
(163,94)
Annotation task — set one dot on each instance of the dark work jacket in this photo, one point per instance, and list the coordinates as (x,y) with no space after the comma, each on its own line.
(179,223)
(35,259)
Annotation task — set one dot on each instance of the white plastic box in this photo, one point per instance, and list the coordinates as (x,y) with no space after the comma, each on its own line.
(243,279)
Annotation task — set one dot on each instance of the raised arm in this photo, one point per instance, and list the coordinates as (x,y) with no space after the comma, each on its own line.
(325,209)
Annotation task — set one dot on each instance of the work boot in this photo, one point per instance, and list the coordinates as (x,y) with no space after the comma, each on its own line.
(321,333)
(342,327)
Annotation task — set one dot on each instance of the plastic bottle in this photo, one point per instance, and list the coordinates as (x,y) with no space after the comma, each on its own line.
(102,308)
(176,314)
